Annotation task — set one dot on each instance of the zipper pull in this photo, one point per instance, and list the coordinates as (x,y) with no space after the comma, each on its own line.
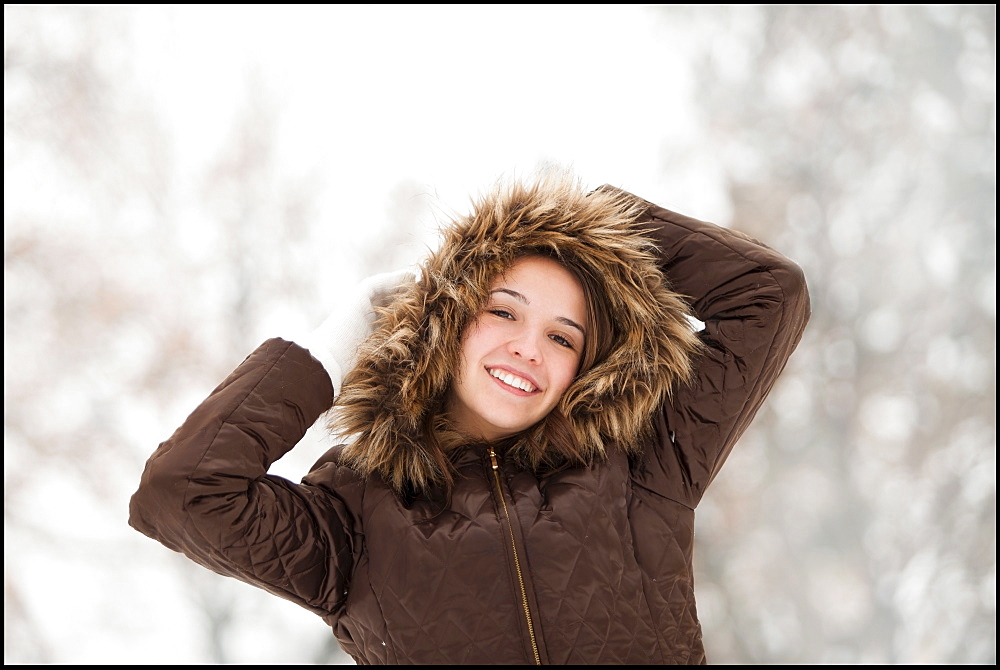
(493,459)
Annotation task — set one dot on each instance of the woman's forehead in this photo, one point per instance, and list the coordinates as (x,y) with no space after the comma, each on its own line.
(544,283)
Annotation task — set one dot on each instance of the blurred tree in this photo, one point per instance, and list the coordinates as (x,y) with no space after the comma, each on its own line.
(123,305)
(65,288)
(857,522)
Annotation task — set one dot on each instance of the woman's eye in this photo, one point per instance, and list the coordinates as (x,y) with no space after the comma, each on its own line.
(502,313)
(562,341)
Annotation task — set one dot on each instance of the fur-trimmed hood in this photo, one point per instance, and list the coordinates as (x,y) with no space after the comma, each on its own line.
(392,399)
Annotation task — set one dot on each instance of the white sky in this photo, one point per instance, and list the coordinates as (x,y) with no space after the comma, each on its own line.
(448,96)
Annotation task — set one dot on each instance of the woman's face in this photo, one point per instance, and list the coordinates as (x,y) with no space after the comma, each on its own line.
(521,353)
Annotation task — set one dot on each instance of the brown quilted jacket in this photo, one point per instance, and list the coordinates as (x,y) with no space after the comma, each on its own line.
(587,564)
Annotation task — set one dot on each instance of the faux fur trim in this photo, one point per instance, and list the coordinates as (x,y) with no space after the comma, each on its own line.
(406,366)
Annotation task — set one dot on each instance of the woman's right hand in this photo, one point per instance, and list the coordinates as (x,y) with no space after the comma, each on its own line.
(335,343)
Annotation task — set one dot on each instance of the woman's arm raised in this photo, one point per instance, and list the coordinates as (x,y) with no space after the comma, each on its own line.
(205,491)
(755,305)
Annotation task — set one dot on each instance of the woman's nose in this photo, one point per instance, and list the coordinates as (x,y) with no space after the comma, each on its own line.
(525,345)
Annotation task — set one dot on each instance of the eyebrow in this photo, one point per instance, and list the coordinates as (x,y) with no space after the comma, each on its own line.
(520,297)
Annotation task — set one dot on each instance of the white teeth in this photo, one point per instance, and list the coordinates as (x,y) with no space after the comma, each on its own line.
(511,380)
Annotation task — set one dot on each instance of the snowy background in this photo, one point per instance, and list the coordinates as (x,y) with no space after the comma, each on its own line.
(182,182)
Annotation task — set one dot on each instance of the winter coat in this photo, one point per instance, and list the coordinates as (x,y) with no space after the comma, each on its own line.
(524,558)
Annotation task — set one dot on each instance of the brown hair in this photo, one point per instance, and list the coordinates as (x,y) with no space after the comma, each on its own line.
(600,330)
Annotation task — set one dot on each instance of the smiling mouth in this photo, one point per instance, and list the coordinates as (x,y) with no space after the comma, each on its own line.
(513,380)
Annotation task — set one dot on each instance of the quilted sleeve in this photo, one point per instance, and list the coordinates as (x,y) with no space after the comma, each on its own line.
(755,305)
(205,492)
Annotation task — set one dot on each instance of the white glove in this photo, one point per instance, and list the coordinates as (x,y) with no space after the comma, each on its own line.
(335,343)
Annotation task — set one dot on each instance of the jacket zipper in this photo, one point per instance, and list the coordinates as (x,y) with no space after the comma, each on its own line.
(517,561)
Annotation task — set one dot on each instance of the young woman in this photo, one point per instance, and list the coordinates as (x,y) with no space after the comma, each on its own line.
(529,427)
